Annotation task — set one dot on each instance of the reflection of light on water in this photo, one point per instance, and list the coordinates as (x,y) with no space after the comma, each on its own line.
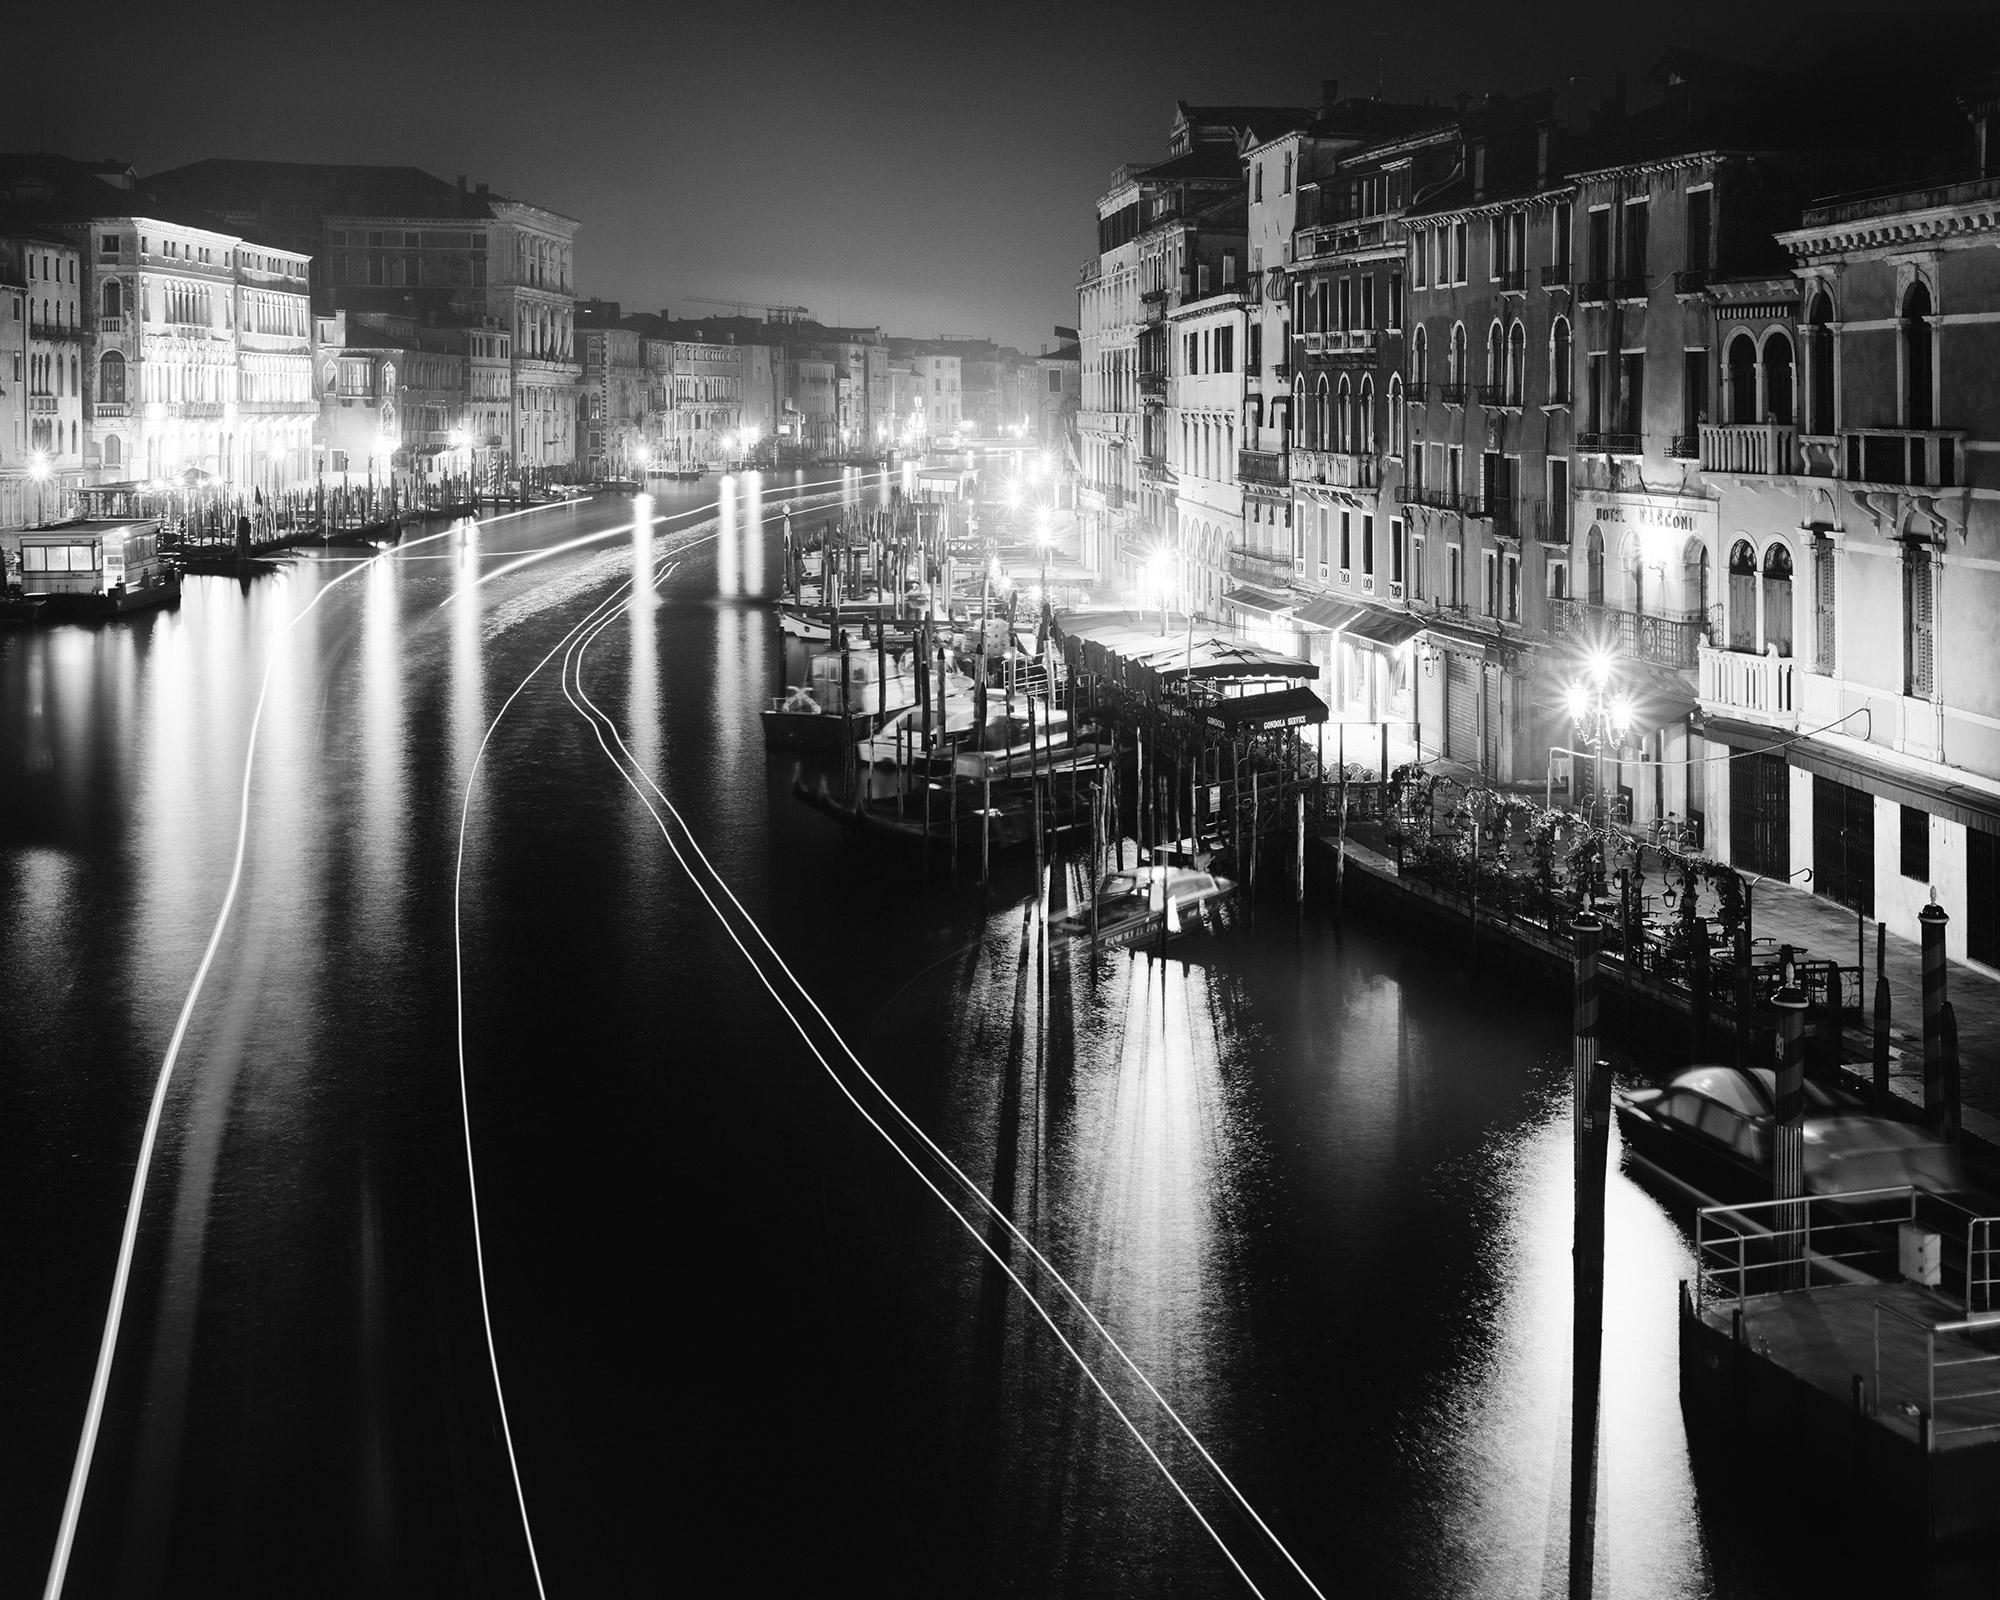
(642,682)
(734,647)
(468,676)
(753,532)
(1504,1420)
(728,571)
(1142,1212)
(381,713)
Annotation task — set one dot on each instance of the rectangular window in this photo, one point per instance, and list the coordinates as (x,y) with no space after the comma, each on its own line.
(1599,398)
(1419,261)
(1694,394)
(1225,349)
(1367,302)
(1395,552)
(1496,247)
(1637,215)
(1346,539)
(1559,499)
(1632,385)
(1489,586)
(1454,575)
(1698,229)
(1454,471)
(1461,252)
(1513,612)
(1395,300)
(1367,544)
(1417,567)
(1346,303)
(1824,614)
(1559,236)
(1916,843)
(1917,641)
(1599,263)
(1325,535)
(1255,361)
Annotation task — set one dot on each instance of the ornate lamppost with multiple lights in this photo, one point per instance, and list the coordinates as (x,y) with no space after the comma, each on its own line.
(1602,716)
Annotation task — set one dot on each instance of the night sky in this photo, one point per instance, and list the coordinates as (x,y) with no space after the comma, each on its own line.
(927,168)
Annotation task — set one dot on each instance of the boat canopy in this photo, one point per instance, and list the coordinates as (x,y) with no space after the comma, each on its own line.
(1296,707)
(1130,646)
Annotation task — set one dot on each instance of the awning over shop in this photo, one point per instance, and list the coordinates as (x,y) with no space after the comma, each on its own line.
(1970,808)
(1261,601)
(1660,708)
(1327,612)
(1296,707)
(1383,630)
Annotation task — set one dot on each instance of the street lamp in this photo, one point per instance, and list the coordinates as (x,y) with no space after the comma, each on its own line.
(1601,716)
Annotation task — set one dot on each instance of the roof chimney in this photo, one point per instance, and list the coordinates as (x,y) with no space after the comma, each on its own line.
(1329,92)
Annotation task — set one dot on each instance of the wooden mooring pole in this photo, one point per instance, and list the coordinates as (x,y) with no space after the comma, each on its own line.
(1590,1090)
(1931,923)
(1880,1041)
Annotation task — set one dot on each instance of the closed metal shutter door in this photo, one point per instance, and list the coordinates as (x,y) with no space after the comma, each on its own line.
(1982,896)
(1844,844)
(1760,813)
(1461,708)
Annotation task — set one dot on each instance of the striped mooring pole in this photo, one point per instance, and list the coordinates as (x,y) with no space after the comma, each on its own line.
(1939,1116)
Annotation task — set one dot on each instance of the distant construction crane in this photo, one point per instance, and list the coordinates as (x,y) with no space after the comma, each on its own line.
(745,307)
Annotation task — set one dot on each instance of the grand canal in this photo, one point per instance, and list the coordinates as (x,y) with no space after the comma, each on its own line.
(1313,1186)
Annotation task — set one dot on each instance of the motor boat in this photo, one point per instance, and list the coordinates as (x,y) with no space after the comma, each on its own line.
(1138,904)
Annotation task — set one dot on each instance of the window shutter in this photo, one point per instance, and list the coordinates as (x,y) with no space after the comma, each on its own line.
(1918,619)
(1825,601)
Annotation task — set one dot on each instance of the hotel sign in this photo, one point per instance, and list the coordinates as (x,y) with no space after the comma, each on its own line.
(1647,513)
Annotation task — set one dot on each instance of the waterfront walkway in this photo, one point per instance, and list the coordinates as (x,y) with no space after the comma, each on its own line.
(1826,930)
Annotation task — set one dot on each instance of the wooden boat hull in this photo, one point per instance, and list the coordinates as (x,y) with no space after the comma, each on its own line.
(821,732)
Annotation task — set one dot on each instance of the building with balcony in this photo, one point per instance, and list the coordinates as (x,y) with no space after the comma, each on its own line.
(617,399)
(1851,688)
(1057,392)
(43,430)
(1487,361)
(1203,421)
(400,241)
(389,406)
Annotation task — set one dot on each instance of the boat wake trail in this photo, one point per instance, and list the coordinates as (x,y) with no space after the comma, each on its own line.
(936,1170)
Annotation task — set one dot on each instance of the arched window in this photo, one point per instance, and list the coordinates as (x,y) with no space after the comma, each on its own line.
(111,379)
(1742,379)
(1742,596)
(114,450)
(1455,357)
(1420,362)
(1300,415)
(1322,416)
(1918,358)
(1819,365)
(1778,599)
(1696,580)
(1397,421)
(1344,417)
(1593,567)
(1517,361)
(1495,355)
(1364,417)
(1778,378)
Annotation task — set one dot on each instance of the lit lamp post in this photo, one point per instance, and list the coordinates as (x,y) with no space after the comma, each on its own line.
(1601,718)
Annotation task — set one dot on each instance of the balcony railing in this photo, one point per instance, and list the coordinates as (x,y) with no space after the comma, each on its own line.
(1635,288)
(1755,447)
(1684,447)
(1551,520)
(38,329)
(1259,566)
(1315,343)
(1593,291)
(1282,371)
(110,324)
(1452,394)
(108,410)
(1556,275)
(1634,635)
(1423,494)
(1692,281)
(1609,444)
(1758,688)
(1919,458)
(1513,280)
(1153,383)
(1499,513)
(1261,466)
(41,404)
(1340,469)
(1499,397)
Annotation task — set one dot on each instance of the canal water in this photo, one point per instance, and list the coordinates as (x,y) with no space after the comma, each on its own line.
(749,1326)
